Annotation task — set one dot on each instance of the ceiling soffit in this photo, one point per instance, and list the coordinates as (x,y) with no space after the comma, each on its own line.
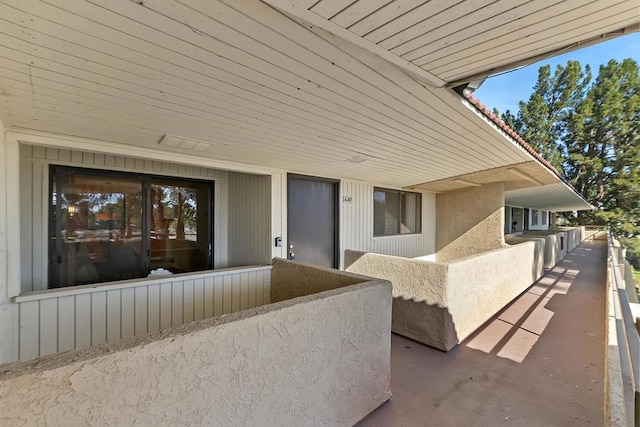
(458,41)
(238,81)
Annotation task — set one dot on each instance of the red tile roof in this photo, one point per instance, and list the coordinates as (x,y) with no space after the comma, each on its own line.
(512,133)
(519,140)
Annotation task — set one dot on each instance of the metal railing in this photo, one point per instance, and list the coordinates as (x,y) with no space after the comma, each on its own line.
(627,340)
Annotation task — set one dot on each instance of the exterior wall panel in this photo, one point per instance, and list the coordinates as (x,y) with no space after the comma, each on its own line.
(249,228)
(356,225)
(62,320)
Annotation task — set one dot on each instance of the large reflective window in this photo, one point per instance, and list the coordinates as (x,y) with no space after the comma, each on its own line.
(109,226)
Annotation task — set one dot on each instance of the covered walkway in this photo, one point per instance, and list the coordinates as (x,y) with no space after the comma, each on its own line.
(539,362)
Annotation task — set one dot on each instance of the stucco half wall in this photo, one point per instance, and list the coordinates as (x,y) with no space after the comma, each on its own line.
(469,221)
(298,279)
(558,241)
(551,245)
(322,359)
(574,235)
(440,304)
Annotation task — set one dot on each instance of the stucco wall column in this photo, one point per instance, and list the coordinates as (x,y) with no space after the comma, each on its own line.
(469,221)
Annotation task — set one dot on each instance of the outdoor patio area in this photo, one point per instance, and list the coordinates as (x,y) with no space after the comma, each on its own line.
(540,361)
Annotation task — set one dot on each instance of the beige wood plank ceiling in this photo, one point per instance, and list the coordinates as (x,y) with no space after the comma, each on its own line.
(462,40)
(251,82)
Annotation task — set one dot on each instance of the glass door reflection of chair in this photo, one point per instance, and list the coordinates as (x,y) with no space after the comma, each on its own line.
(101,261)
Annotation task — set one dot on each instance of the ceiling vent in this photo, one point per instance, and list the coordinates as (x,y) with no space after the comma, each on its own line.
(357,159)
(362,157)
(184,143)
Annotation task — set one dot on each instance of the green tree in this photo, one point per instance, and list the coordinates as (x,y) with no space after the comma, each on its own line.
(509,119)
(603,148)
(542,119)
(590,131)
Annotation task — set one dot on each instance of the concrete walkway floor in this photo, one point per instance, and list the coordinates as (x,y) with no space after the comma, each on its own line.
(539,362)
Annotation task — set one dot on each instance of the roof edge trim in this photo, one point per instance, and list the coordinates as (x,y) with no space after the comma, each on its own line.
(518,140)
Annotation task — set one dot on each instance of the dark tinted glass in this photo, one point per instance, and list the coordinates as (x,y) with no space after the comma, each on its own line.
(113,226)
(97,229)
(396,212)
(179,231)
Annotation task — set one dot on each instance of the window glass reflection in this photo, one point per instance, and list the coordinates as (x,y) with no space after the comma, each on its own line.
(99,231)
(179,236)
(108,226)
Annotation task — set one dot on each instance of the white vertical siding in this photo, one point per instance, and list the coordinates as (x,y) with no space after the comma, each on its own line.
(249,223)
(29,321)
(61,320)
(33,218)
(34,190)
(356,225)
(9,197)
(278,212)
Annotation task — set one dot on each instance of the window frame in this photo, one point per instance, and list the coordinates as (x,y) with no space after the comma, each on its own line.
(146,181)
(399,194)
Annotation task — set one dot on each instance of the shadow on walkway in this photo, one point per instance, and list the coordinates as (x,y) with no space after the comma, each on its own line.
(539,362)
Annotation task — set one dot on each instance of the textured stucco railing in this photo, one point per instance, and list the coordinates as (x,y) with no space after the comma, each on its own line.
(574,235)
(557,241)
(553,246)
(296,279)
(440,304)
(320,359)
(622,403)
(627,275)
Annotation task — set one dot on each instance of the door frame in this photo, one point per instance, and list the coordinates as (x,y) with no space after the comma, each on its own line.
(336,212)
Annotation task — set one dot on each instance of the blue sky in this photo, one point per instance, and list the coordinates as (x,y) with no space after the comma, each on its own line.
(505,91)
